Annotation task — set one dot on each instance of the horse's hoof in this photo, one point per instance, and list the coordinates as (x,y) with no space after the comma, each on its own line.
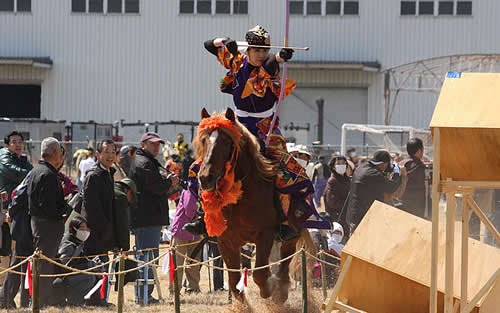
(269,287)
(281,294)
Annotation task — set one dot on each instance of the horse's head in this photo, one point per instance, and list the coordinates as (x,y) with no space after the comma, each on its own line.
(216,147)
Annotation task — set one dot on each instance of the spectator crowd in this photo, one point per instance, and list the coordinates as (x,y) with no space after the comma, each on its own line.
(124,190)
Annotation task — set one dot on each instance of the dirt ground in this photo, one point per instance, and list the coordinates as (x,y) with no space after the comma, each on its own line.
(207,301)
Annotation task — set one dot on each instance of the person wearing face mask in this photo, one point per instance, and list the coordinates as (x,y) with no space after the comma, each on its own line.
(335,237)
(337,188)
(72,289)
(370,183)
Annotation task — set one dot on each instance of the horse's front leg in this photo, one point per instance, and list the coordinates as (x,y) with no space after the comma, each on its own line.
(263,277)
(287,249)
(231,256)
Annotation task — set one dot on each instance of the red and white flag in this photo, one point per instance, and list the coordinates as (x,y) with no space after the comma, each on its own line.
(172,268)
(103,286)
(242,284)
(27,281)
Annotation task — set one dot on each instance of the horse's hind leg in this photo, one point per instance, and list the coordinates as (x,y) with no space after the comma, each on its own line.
(263,277)
(287,249)
(231,256)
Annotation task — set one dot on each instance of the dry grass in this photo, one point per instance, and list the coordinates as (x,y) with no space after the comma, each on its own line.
(204,302)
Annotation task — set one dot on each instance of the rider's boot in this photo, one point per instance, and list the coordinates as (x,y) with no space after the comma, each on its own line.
(197,227)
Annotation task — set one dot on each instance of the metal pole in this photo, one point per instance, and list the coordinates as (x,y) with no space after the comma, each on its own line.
(323,275)
(145,293)
(177,301)
(320,102)
(35,277)
(121,279)
(343,141)
(304,282)
(387,97)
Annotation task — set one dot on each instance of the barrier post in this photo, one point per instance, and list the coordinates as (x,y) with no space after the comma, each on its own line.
(35,280)
(121,279)
(145,296)
(304,282)
(177,301)
(323,275)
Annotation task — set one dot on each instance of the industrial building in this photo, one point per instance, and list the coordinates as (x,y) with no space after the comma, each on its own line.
(142,61)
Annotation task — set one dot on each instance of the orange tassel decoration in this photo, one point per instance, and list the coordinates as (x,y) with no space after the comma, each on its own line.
(228,191)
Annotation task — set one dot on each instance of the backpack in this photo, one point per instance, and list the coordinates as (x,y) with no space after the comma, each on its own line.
(19,211)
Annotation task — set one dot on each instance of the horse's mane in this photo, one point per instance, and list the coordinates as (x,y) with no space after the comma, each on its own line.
(247,143)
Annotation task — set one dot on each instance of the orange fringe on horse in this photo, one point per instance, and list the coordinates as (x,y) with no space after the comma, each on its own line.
(228,191)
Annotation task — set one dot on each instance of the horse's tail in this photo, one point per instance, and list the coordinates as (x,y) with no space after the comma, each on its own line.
(306,241)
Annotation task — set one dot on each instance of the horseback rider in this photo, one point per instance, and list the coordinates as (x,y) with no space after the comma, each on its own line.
(253,81)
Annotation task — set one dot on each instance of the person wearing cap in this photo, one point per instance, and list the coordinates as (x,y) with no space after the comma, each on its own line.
(413,199)
(254,82)
(151,211)
(181,146)
(127,154)
(369,183)
(125,197)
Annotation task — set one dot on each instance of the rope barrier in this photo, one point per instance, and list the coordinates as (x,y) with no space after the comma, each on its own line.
(75,271)
(328,254)
(15,266)
(321,261)
(235,270)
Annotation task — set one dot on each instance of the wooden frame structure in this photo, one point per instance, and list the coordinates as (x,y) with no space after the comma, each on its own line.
(465,129)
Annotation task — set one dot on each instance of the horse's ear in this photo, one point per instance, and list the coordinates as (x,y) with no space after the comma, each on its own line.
(230,115)
(204,113)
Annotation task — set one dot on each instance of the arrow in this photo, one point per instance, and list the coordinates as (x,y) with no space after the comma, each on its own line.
(245,44)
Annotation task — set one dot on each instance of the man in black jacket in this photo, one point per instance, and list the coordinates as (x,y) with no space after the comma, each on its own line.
(46,207)
(151,212)
(414,197)
(97,206)
(369,183)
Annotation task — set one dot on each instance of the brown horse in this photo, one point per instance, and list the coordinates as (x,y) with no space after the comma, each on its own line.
(253,218)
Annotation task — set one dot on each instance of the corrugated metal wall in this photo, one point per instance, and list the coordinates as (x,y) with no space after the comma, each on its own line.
(153,66)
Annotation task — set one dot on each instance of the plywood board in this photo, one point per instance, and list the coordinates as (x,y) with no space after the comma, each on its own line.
(491,303)
(470,154)
(470,100)
(400,243)
(376,290)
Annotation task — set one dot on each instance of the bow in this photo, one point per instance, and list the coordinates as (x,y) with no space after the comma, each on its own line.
(283,79)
